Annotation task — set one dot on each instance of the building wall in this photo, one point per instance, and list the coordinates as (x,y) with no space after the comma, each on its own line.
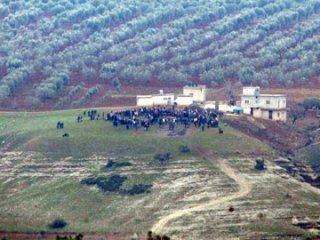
(261,104)
(210,105)
(166,99)
(277,115)
(143,101)
(184,100)
(199,93)
(274,102)
(226,108)
(257,113)
(250,91)
(249,102)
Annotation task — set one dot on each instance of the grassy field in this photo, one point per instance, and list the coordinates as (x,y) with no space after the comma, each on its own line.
(40,174)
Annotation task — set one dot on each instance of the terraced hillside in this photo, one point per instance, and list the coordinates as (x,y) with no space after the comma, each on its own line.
(68,52)
(206,189)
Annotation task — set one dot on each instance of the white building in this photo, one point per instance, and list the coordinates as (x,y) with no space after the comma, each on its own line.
(155,100)
(210,105)
(191,94)
(145,100)
(199,92)
(163,99)
(267,106)
(184,100)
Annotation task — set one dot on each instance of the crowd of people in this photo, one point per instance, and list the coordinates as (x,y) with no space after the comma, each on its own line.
(163,117)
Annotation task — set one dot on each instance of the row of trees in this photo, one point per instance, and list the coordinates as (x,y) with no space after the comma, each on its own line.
(126,41)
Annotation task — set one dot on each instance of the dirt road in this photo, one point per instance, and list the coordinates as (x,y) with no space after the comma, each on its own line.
(244,189)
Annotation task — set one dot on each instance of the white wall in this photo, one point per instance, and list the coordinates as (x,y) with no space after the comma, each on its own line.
(274,102)
(280,115)
(210,105)
(199,93)
(250,91)
(226,108)
(184,100)
(144,101)
(166,99)
(249,102)
(263,101)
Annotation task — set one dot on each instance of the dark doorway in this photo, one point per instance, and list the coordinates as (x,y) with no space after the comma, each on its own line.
(270,114)
(251,111)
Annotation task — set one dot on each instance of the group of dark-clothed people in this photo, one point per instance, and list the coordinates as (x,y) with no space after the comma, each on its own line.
(164,117)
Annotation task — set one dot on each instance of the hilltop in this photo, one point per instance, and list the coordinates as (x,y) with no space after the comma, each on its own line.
(59,54)
(207,186)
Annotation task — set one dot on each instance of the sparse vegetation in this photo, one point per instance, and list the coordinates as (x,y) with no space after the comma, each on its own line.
(106,184)
(77,237)
(162,157)
(311,103)
(51,180)
(184,149)
(58,223)
(139,189)
(260,165)
(113,165)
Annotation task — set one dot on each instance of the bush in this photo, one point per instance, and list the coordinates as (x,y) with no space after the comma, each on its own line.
(77,237)
(116,84)
(112,184)
(162,157)
(139,189)
(184,149)
(311,103)
(112,164)
(58,223)
(89,181)
(260,165)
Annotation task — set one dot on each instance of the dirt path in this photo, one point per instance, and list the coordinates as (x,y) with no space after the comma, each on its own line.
(244,189)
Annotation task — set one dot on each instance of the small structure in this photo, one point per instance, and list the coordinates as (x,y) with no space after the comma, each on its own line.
(184,100)
(163,99)
(155,100)
(145,100)
(191,94)
(199,92)
(266,106)
(211,105)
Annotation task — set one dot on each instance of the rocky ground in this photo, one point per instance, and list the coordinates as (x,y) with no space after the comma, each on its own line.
(289,139)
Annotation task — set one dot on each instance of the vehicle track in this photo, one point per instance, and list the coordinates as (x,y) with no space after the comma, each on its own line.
(244,189)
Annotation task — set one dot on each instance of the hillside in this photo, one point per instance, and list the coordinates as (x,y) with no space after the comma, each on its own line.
(44,176)
(66,53)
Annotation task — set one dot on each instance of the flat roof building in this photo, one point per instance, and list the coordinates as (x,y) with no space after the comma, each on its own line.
(191,94)
(155,99)
(266,106)
(199,92)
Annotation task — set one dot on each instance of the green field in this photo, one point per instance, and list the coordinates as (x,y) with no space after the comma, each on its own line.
(41,172)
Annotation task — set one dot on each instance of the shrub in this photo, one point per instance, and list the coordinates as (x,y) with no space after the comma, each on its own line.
(111,164)
(58,223)
(89,181)
(93,91)
(77,237)
(139,189)
(311,103)
(116,84)
(162,157)
(260,165)
(184,149)
(112,184)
